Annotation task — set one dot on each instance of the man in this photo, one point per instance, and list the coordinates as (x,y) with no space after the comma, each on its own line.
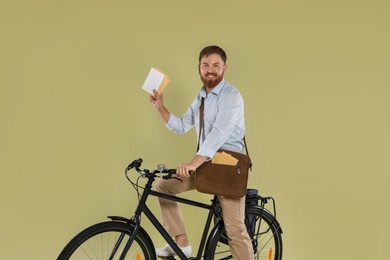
(223,127)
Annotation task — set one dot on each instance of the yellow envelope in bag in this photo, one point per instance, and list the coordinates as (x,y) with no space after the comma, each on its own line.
(224,158)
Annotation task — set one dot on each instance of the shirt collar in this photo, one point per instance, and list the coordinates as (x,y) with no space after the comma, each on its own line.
(216,90)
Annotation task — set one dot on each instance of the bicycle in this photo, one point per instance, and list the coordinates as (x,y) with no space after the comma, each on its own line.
(124,238)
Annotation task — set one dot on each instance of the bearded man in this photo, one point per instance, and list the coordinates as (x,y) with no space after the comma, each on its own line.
(223,128)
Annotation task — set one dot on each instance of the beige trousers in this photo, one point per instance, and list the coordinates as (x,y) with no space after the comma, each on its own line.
(233,215)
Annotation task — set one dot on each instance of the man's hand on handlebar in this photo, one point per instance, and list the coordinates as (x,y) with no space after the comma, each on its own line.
(184,169)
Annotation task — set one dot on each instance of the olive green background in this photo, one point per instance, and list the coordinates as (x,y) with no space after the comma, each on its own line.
(314,76)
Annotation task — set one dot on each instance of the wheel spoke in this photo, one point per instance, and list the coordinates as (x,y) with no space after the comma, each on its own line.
(263,231)
(108,240)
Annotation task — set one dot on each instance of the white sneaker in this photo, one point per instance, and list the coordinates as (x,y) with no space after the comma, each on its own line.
(168,251)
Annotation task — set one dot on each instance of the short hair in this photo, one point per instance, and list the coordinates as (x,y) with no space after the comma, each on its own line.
(213,49)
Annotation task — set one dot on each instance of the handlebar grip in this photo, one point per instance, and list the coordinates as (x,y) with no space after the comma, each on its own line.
(136,163)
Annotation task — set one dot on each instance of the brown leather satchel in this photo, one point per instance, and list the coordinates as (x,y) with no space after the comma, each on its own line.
(222,179)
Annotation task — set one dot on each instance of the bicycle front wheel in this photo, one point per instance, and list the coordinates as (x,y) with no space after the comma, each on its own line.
(108,240)
(264,232)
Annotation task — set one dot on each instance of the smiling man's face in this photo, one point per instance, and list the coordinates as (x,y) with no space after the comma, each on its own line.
(211,70)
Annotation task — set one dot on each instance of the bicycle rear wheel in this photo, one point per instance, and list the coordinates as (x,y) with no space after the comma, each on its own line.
(264,232)
(107,240)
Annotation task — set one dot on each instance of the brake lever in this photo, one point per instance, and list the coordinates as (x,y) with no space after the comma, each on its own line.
(169,176)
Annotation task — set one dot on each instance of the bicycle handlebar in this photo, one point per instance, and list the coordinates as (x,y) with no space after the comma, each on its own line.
(160,169)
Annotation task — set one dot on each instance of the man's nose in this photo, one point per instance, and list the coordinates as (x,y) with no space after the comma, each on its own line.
(210,69)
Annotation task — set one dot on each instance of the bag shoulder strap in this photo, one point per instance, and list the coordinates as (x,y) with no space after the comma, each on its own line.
(201,109)
(246,147)
(247,153)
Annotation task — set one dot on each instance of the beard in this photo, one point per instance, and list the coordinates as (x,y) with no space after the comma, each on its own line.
(211,82)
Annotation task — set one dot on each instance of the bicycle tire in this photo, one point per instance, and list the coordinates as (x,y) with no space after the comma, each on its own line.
(266,237)
(99,241)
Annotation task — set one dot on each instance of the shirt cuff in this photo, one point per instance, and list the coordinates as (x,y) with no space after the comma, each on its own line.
(172,122)
(204,151)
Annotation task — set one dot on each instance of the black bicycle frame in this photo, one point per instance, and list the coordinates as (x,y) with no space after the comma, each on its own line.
(143,208)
